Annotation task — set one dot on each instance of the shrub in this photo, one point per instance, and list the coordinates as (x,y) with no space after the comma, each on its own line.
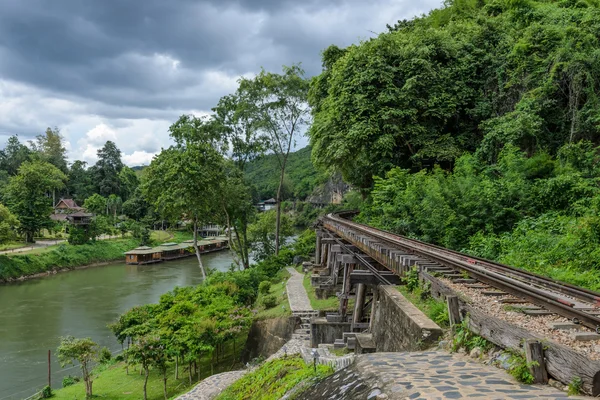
(69,381)
(105,356)
(47,392)
(269,301)
(264,287)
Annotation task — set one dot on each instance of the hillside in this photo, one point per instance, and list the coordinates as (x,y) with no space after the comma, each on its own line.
(300,179)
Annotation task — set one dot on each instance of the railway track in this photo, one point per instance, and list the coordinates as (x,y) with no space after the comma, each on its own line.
(581,306)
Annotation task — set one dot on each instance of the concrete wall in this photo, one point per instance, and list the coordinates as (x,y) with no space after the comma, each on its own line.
(267,336)
(322,331)
(400,326)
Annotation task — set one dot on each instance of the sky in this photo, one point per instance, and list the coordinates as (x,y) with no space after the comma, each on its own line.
(125,70)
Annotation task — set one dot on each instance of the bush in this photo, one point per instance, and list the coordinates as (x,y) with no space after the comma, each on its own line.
(105,356)
(269,301)
(264,287)
(47,392)
(69,381)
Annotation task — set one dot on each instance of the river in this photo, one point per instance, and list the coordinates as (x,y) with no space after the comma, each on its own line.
(35,313)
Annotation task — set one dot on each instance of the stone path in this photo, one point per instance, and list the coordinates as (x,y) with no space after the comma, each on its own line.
(210,387)
(297,296)
(425,375)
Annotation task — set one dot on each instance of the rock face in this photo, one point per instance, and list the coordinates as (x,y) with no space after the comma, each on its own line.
(268,336)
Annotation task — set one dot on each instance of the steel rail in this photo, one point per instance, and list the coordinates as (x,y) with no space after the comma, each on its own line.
(481,273)
(562,287)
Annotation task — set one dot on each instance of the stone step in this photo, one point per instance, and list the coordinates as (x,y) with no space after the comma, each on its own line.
(339,344)
(302,331)
(305,326)
(351,343)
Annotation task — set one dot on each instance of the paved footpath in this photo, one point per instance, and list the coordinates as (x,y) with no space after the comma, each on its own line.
(425,375)
(297,296)
(212,386)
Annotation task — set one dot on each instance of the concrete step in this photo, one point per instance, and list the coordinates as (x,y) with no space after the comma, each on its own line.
(302,331)
(351,343)
(339,344)
(300,336)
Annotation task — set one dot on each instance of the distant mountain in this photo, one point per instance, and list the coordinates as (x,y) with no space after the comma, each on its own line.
(300,179)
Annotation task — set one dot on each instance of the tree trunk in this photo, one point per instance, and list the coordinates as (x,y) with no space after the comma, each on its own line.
(190,373)
(146,382)
(278,217)
(165,382)
(176,367)
(198,251)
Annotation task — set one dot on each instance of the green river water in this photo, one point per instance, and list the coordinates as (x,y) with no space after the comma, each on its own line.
(35,313)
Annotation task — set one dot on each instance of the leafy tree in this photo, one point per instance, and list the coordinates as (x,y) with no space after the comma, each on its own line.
(136,207)
(8,224)
(96,204)
(51,149)
(80,184)
(27,195)
(262,233)
(282,111)
(129,182)
(149,351)
(84,351)
(184,181)
(107,169)
(14,154)
(113,205)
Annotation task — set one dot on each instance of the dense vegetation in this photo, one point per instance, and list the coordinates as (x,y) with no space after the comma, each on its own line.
(300,179)
(472,76)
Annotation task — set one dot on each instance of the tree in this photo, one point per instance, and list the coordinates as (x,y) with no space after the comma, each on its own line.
(106,170)
(27,194)
(283,112)
(149,351)
(14,154)
(80,185)
(8,224)
(113,205)
(129,182)
(96,204)
(183,182)
(261,233)
(83,351)
(51,149)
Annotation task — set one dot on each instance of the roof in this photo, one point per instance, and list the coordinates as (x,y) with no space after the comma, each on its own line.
(270,201)
(69,203)
(143,250)
(80,214)
(58,217)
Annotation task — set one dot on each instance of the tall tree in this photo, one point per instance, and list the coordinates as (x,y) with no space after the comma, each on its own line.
(27,194)
(51,149)
(183,182)
(128,181)
(80,185)
(8,224)
(96,204)
(14,154)
(106,170)
(283,111)
(83,351)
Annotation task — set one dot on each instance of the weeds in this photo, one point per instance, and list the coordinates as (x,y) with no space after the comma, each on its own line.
(575,386)
(519,367)
(463,337)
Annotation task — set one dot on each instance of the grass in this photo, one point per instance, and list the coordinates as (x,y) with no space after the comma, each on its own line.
(436,310)
(62,256)
(160,236)
(277,289)
(329,304)
(12,245)
(274,379)
(112,383)
(181,236)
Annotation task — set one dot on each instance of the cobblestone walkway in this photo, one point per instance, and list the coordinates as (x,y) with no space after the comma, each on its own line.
(210,387)
(425,375)
(297,296)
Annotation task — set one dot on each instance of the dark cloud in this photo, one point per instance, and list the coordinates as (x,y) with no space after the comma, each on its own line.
(73,62)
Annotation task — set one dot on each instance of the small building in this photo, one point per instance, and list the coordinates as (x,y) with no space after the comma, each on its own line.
(142,255)
(66,206)
(267,205)
(80,218)
(210,230)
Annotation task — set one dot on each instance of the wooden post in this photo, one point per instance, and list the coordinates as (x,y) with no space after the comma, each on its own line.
(318,250)
(49,371)
(453,311)
(534,354)
(359,303)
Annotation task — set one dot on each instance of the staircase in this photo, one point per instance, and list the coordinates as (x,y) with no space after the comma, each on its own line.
(303,333)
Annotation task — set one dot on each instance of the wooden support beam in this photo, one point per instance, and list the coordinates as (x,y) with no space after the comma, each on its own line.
(368,278)
(534,354)
(453,310)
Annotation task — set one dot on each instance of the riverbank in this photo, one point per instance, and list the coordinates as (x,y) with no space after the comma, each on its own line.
(64,257)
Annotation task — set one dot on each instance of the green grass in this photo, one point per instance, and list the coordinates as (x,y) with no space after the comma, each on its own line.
(12,245)
(112,383)
(278,290)
(329,304)
(436,310)
(62,256)
(273,379)
(160,236)
(181,236)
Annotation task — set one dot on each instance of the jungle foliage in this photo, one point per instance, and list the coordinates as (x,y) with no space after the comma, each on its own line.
(469,77)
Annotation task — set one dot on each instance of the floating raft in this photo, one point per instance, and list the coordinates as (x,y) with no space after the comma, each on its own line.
(173,251)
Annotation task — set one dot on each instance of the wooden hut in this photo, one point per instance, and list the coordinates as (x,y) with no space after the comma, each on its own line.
(142,255)
(169,251)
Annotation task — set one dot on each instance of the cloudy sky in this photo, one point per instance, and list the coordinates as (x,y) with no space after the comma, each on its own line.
(124,70)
